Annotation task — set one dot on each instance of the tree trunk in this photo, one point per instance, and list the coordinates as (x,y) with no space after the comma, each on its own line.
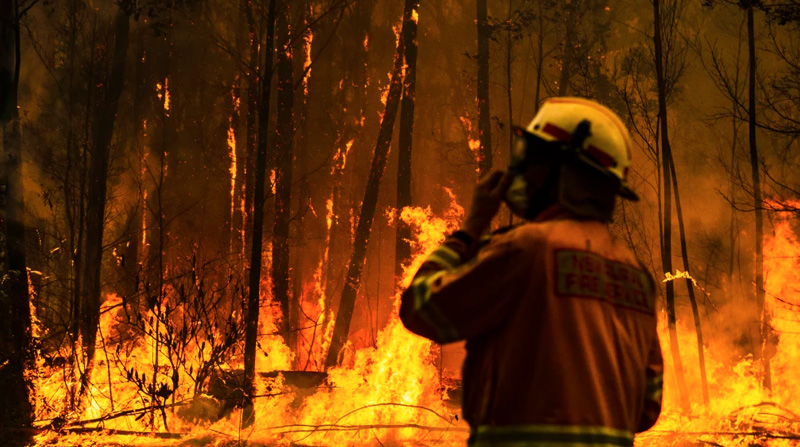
(369,204)
(666,243)
(16,353)
(567,54)
(484,117)
(96,194)
(303,48)
(701,357)
(539,59)
(254,280)
(754,165)
(283,168)
(403,234)
(249,160)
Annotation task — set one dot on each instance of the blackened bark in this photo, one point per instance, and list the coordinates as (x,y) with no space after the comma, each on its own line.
(701,357)
(757,205)
(254,280)
(251,123)
(103,129)
(666,243)
(484,117)
(283,168)
(369,204)
(403,234)
(349,128)
(16,353)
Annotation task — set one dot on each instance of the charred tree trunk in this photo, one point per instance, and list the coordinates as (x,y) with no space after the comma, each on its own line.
(403,235)
(302,48)
(350,127)
(251,123)
(757,205)
(369,204)
(701,357)
(96,194)
(666,243)
(283,168)
(254,280)
(484,117)
(16,353)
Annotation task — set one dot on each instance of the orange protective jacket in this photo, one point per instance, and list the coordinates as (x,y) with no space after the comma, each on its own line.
(560,324)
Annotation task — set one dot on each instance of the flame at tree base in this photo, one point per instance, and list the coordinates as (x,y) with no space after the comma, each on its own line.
(389,394)
(741,412)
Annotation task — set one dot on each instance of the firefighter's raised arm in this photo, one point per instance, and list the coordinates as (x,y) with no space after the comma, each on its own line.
(460,291)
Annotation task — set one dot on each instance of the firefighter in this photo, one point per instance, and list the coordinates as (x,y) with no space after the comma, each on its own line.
(558,314)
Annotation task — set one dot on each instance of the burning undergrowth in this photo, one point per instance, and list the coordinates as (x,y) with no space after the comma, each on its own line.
(169,370)
(741,411)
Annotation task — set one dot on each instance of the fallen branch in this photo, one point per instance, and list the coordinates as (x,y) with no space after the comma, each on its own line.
(52,425)
(385,404)
(333,428)
(111,431)
(728,433)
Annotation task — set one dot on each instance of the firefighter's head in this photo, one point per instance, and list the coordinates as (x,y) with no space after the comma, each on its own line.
(575,152)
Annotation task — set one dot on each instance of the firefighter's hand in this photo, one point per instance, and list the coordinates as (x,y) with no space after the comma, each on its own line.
(486,201)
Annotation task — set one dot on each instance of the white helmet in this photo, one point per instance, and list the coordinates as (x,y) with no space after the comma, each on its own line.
(606,144)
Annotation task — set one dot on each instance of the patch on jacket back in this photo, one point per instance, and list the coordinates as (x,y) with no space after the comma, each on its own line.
(587,275)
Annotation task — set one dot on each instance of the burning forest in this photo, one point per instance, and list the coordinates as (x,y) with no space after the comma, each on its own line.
(210,209)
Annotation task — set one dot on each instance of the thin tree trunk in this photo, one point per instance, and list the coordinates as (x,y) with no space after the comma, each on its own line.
(484,117)
(15,322)
(249,160)
(754,165)
(403,234)
(340,233)
(303,48)
(96,194)
(283,168)
(254,280)
(690,285)
(540,59)
(508,90)
(369,204)
(666,245)
(567,55)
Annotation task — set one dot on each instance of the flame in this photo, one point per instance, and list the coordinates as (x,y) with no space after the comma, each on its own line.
(232,169)
(340,159)
(307,39)
(473,143)
(163,94)
(739,406)
(381,392)
(384,393)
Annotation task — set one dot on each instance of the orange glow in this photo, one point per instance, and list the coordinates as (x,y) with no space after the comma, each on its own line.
(738,403)
(307,39)
(163,94)
(232,169)
(380,393)
(473,143)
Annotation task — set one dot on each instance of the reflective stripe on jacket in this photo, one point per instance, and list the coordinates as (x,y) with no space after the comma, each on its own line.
(560,324)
